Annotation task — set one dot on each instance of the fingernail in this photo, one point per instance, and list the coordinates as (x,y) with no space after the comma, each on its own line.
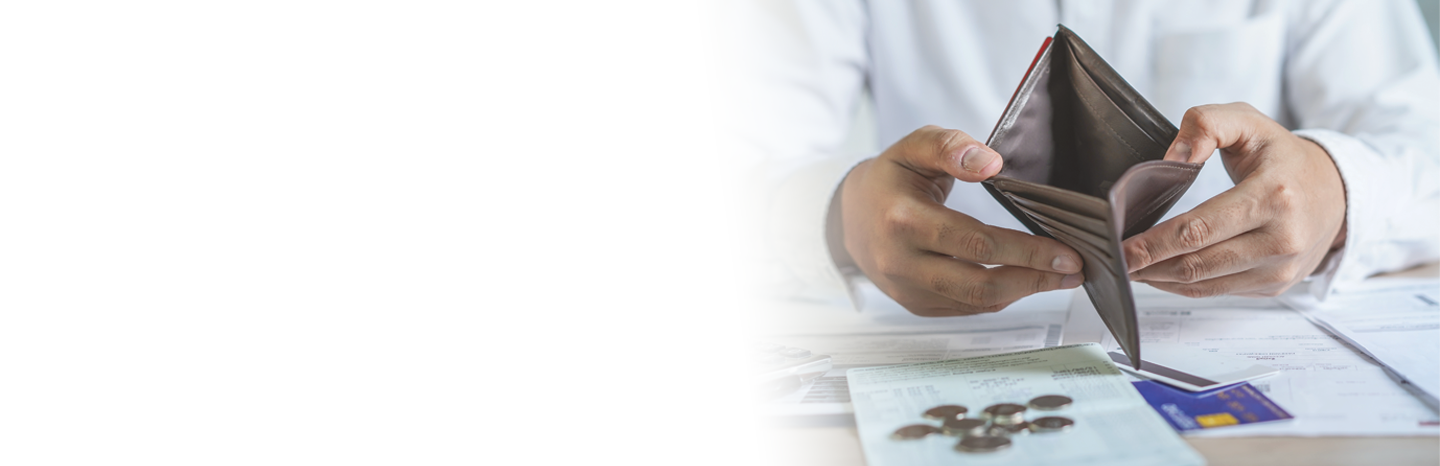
(976,159)
(1180,153)
(1065,264)
(1071,281)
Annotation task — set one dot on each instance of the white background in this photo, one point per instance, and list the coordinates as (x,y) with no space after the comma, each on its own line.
(323,232)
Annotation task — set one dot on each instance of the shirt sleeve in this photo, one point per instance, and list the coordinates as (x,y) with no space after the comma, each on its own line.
(806,74)
(1362,83)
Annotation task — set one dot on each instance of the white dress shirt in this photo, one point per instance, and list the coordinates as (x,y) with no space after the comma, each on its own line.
(1357,77)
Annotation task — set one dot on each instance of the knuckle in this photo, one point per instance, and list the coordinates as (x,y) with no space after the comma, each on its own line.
(1196,291)
(1201,117)
(978,246)
(1035,256)
(901,219)
(1282,275)
(978,293)
(945,233)
(942,285)
(1138,253)
(1286,245)
(1044,282)
(1195,232)
(1283,197)
(949,140)
(890,268)
(1191,268)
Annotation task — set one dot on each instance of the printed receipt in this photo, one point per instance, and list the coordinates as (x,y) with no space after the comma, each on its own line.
(1113,424)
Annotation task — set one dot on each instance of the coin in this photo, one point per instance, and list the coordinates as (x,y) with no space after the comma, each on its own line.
(982,444)
(964,427)
(1005,413)
(914,432)
(1050,402)
(999,430)
(1051,424)
(943,412)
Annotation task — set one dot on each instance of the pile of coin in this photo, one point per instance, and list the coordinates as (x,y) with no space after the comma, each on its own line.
(992,429)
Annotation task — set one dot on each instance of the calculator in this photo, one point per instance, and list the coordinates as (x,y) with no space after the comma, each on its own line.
(727,364)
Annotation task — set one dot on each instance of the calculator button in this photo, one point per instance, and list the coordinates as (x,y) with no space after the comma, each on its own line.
(795,353)
(769,358)
(720,348)
(717,360)
(743,366)
(745,354)
(768,347)
(714,371)
(713,340)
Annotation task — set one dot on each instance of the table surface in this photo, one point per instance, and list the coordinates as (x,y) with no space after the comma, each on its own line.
(840,446)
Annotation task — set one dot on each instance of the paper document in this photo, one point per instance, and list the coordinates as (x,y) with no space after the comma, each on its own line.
(891,335)
(1330,388)
(1113,424)
(1395,320)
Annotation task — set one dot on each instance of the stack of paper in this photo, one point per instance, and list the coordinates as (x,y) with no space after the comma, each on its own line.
(1396,321)
(1329,387)
(1113,424)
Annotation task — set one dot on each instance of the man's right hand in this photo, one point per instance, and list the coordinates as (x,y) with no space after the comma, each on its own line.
(929,258)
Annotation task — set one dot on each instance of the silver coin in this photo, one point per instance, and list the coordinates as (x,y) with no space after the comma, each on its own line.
(1050,402)
(982,444)
(794,352)
(1051,424)
(1005,413)
(914,432)
(944,412)
(964,427)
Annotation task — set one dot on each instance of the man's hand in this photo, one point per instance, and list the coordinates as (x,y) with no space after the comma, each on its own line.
(1261,237)
(929,257)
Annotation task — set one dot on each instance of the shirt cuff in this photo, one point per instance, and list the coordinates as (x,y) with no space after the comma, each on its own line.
(797,222)
(1348,154)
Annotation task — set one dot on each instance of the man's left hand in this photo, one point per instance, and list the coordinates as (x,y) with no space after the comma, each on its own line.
(1286,211)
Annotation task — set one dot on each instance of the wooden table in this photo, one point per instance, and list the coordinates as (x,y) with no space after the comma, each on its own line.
(840,445)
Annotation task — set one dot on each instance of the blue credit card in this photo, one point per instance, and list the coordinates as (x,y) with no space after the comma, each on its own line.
(1225,406)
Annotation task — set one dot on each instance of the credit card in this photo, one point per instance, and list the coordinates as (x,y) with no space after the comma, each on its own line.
(1225,406)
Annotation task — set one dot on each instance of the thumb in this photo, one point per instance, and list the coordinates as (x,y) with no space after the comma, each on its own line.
(936,152)
(1209,127)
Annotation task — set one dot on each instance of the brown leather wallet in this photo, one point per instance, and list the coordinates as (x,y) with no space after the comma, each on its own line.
(1082,153)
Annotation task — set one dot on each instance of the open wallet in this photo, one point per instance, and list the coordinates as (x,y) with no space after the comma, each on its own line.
(1083,165)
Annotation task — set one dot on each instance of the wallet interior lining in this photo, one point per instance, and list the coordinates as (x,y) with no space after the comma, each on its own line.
(1093,225)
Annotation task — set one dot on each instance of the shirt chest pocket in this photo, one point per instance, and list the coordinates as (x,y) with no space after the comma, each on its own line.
(1239,62)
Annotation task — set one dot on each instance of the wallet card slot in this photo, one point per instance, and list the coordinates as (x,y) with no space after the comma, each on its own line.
(1079,203)
(1070,234)
(1095,226)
